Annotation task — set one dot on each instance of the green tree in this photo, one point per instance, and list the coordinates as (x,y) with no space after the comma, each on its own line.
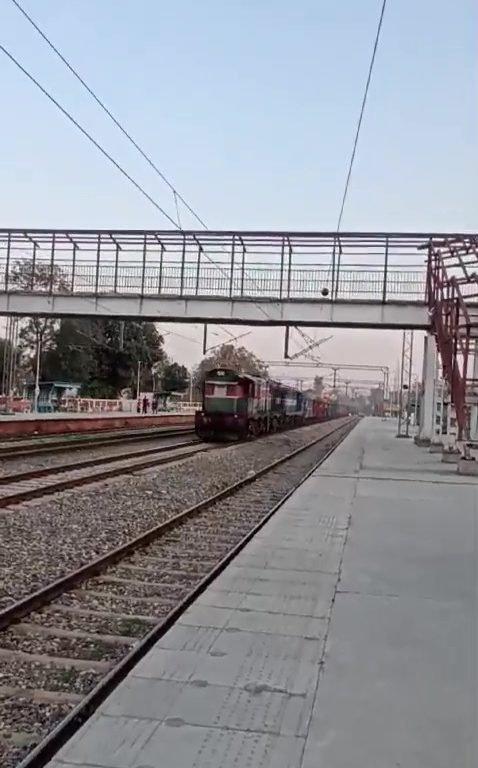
(72,355)
(103,355)
(36,332)
(174,378)
(238,359)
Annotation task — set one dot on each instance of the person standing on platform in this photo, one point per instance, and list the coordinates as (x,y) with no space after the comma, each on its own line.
(145,405)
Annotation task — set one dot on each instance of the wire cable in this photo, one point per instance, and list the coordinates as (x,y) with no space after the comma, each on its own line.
(112,117)
(107,155)
(176,195)
(362,110)
(88,135)
(111,159)
(331,268)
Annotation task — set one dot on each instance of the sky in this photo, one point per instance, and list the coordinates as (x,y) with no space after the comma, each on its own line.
(250,108)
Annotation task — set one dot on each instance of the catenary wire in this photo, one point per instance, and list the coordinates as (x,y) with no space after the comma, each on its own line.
(86,134)
(176,195)
(359,123)
(362,110)
(110,158)
(112,117)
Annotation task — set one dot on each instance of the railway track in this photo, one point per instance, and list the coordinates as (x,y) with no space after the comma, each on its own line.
(23,486)
(41,446)
(65,647)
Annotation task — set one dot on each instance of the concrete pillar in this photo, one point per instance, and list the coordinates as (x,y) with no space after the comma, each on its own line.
(427,405)
(474,407)
(451,452)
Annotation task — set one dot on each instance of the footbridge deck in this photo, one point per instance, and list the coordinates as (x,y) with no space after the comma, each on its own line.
(270,278)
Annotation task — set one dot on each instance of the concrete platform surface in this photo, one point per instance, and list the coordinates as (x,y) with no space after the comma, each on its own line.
(343,636)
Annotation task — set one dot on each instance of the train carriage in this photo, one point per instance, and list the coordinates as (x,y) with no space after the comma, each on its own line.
(238,405)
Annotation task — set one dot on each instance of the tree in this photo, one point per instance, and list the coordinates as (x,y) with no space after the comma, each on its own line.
(36,332)
(174,378)
(238,359)
(72,355)
(38,276)
(103,355)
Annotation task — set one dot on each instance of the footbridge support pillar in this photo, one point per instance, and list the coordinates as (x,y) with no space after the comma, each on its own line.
(427,405)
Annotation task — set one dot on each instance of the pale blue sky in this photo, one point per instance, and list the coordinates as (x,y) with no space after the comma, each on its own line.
(250,107)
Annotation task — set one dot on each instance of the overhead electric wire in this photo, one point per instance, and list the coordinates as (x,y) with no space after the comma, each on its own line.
(112,117)
(176,195)
(88,135)
(331,268)
(362,110)
(104,152)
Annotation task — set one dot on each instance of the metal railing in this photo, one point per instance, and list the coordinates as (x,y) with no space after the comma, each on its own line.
(261,265)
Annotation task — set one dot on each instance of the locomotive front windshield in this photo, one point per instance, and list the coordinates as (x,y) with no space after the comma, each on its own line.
(224,393)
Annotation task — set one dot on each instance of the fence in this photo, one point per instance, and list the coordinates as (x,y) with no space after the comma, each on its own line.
(277,266)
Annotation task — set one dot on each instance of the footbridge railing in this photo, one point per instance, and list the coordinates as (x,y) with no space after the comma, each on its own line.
(374,267)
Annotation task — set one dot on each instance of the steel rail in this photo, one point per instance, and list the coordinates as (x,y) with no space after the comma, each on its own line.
(46,594)
(105,474)
(77,443)
(18,477)
(50,745)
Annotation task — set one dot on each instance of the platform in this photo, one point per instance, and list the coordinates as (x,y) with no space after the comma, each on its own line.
(343,636)
(26,424)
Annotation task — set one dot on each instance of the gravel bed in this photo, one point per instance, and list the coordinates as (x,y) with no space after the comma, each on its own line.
(47,538)
(130,588)
(104,625)
(165,577)
(66,456)
(106,601)
(76,647)
(28,717)
(151,575)
(178,556)
(26,674)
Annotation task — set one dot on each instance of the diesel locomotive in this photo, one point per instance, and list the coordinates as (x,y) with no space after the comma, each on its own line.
(238,405)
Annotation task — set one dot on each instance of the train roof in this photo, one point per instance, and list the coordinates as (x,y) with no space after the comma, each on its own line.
(254,377)
(228,371)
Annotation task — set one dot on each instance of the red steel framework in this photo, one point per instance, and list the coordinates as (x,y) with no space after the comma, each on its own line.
(452,296)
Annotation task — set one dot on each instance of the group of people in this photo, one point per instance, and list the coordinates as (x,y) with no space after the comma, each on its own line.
(143,405)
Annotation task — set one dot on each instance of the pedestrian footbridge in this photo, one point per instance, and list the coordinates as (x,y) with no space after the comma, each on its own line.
(366,280)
